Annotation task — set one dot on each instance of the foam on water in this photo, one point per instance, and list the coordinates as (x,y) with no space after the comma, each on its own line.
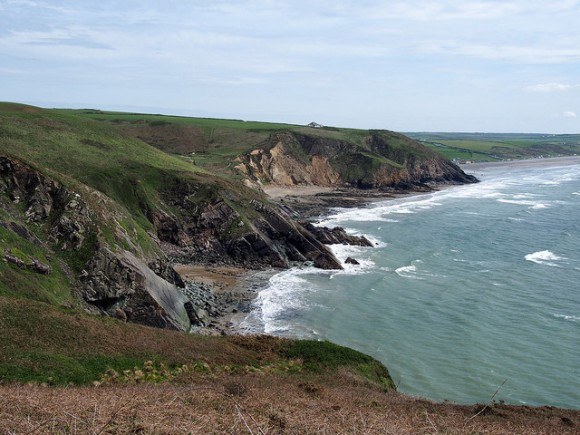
(567,317)
(283,296)
(505,313)
(407,271)
(377,243)
(342,252)
(411,271)
(544,257)
(287,292)
(487,189)
(534,205)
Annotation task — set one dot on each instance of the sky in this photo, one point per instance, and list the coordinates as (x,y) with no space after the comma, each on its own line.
(440,65)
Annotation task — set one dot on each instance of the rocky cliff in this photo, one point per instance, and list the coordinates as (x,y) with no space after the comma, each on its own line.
(116,276)
(94,217)
(108,279)
(382,160)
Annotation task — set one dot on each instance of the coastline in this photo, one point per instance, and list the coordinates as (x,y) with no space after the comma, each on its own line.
(235,288)
(525,163)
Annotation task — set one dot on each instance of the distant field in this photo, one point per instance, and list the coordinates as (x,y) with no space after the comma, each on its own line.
(208,142)
(213,143)
(499,146)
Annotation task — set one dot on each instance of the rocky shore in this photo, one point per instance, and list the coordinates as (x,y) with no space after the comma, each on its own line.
(224,295)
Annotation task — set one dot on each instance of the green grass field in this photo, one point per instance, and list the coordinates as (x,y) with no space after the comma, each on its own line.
(209,143)
(498,146)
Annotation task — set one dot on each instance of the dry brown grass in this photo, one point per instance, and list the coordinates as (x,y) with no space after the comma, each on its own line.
(259,404)
(256,385)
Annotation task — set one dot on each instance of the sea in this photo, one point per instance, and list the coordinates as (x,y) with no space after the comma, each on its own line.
(470,294)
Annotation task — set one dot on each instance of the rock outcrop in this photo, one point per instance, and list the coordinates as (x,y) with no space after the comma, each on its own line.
(44,199)
(116,281)
(220,230)
(383,160)
(204,227)
(336,236)
(120,284)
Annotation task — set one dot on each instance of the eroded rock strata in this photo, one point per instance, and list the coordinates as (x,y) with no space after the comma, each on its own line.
(384,160)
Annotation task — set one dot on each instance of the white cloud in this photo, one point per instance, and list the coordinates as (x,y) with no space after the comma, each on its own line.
(530,54)
(569,114)
(446,10)
(551,87)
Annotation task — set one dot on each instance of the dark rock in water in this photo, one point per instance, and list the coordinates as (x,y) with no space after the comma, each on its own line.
(351,260)
(336,236)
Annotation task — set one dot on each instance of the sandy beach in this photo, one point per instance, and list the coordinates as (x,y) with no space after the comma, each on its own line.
(527,163)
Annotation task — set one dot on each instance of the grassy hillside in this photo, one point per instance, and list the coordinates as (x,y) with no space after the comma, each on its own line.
(78,189)
(42,343)
(210,143)
(499,146)
(91,374)
(121,178)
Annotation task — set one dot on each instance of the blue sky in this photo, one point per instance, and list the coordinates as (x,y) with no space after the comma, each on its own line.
(441,65)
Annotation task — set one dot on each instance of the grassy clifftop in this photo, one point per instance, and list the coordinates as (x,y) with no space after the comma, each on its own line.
(47,344)
(301,154)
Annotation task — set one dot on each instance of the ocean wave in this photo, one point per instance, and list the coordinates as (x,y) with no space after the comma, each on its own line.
(383,211)
(524,195)
(575,193)
(544,257)
(495,188)
(342,252)
(284,295)
(287,292)
(367,214)
(534,205)
(407,272)
(567,317)
(410,271)
(377,243)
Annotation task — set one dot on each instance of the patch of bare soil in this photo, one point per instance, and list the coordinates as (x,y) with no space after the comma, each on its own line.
(260,404)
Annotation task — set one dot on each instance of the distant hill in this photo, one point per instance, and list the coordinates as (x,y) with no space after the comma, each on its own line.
(499,146)
(312,154)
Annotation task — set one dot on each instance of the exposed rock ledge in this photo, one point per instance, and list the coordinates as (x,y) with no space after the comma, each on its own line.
(383,160)
(122,285)
(117,283)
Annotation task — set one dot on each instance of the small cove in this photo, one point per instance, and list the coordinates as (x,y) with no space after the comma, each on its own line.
(467,288)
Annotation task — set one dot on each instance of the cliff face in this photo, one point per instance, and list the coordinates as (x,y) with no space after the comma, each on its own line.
(383,160)
(222,227)
(112,281)
(198,224)
(96,218)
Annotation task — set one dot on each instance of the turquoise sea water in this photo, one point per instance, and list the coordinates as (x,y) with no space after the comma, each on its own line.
(466,288)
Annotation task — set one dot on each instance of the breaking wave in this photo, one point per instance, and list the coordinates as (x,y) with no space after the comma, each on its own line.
(544,257)
(566,317)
